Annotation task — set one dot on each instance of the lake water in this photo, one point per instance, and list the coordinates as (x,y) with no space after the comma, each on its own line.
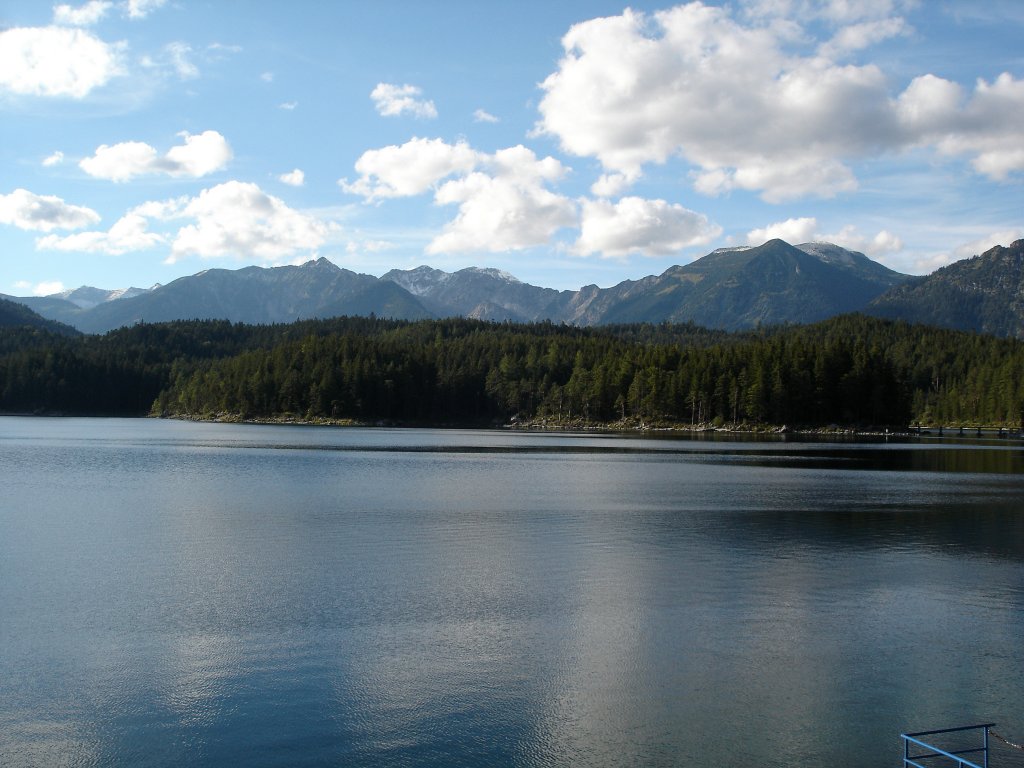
(206,594)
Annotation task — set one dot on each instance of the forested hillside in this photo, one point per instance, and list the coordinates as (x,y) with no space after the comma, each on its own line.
(14,315)
(849,371)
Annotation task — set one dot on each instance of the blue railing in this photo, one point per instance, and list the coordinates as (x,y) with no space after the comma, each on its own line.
(941,757)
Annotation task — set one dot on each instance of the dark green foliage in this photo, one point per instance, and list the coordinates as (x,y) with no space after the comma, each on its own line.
(851,371)
(16,315)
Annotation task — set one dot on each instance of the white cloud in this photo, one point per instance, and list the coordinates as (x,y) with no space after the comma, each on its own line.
(55,159)
(48,288)
(234,219)
(610,184)
(140,9)
(883,243)
(483,116)
(163,209)
(791,230)
(863,35)
(288,105)
(129,233)
(55,61)
(507,208)
(409,169)
(987,126)
(178,53)
(928,264)
(200,155)
(746,110)
(121,162)
(636,225)
(82,16)
(240,220)
(394,100)
(44,213)
(267,77)
(294,178)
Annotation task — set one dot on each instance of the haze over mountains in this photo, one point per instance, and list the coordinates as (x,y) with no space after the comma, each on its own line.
(732,289)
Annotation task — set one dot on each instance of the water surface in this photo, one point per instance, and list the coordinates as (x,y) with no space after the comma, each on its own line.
(205,594)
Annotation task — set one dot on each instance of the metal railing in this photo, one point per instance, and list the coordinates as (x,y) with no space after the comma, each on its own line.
(950,758)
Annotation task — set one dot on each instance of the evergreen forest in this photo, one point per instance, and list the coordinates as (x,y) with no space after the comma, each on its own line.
(850,371)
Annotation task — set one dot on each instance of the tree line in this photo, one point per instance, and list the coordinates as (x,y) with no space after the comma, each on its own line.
(847,371)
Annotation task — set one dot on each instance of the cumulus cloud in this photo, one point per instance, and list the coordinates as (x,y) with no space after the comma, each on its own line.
(506,207)
(611,184)
(881,244)
(234,219)
(82,16)
(55,159)
(198,156)
(294,178)
(505,201)
(240,220)
(47,288)
(129,233)
(985,125)
(636,225)
(288,105)
(26,210)
(409,169)
(803,230)
(393,100)
(56,61)
(791,230)
(483,116)
(746,110)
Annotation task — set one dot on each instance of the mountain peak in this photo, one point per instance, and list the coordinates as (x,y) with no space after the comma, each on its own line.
(321,263)
(87,297)
(497,274)
(831,253)
(418,281)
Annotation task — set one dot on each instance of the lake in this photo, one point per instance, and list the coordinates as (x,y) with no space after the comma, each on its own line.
(177,593)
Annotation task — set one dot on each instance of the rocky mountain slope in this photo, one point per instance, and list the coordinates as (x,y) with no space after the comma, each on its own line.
(731,288)
(984,293)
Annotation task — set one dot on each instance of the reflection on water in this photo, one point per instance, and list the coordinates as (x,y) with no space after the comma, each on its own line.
(212,595)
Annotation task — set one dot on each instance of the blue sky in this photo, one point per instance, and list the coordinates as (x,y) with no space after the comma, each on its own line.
(567,143)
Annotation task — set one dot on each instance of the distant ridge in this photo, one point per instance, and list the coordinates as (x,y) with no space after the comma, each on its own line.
(14,314)
(984,293)
(729,288)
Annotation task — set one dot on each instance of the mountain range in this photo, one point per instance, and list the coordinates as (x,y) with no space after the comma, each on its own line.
(730,288)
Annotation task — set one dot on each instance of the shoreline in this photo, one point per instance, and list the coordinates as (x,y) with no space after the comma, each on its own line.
(624,427)
(627,426)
